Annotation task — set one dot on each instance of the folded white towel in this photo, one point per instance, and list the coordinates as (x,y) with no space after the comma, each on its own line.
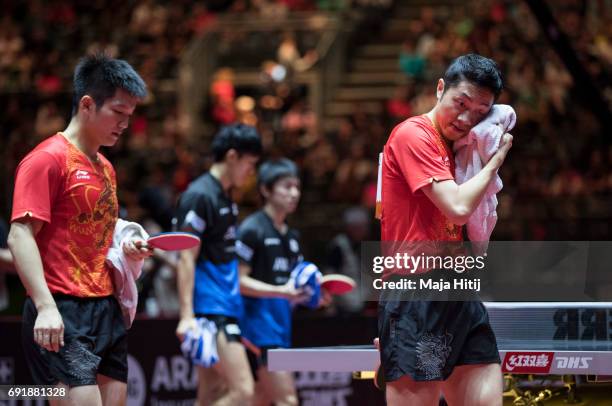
(200,343)
(472,152)
(125,270)
(306,276)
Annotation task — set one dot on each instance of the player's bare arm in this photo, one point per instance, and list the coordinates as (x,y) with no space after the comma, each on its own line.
(48,328)
(255,288)
(458,202)
(185,273)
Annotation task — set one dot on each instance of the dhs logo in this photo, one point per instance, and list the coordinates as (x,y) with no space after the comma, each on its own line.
(527,362)
(573,362)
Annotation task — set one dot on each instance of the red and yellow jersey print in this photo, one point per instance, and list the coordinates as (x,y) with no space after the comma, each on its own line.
(92,194)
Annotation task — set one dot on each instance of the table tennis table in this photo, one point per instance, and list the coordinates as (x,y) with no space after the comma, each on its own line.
(523,332)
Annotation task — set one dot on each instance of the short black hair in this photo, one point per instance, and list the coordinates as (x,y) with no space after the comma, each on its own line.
(476,69)
(240,137)
(99,76)
(273,170)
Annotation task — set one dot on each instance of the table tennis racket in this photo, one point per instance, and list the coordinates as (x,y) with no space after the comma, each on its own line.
(173,241)
(337,284)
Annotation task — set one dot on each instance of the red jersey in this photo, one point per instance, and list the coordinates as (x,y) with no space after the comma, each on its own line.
(414,156)
(77,201)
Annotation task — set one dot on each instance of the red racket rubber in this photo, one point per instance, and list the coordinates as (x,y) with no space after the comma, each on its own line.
(173,241)
(338,284)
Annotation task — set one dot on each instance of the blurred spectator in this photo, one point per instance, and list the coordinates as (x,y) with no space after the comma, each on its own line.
(399,107)
(201,19)
(352,174)
(341,138)
(245,110)
(319,165)
(273,92)
(270,8)
(344,256)
(300,121)
(223,94)
(410,61)
(289,55)
(48,120)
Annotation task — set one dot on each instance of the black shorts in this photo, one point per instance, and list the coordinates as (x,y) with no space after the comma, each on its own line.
(257,361)
(95,342)
(427,339)
(229,326)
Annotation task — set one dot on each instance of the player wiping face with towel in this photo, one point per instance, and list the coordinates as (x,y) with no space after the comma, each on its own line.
(429,347)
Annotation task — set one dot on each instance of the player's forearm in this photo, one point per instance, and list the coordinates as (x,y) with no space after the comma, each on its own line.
(470,193)
(29,266)
(255,288)
(185,273)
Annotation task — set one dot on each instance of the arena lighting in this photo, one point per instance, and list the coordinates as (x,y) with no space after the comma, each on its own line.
(279,73)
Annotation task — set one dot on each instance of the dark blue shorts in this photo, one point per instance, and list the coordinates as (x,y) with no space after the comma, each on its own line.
(259,360)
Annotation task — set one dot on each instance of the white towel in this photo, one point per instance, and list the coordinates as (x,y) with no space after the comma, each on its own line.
(200,343)
(472,152)
(306,276)
(125,270)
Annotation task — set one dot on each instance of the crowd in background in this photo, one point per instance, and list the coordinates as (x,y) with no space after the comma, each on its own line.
(587,25)
(557,182)
(558,177)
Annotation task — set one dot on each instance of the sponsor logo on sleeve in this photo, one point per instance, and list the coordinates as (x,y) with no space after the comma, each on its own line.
(271,241)
(244,251)
(294,246)
(196,222)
